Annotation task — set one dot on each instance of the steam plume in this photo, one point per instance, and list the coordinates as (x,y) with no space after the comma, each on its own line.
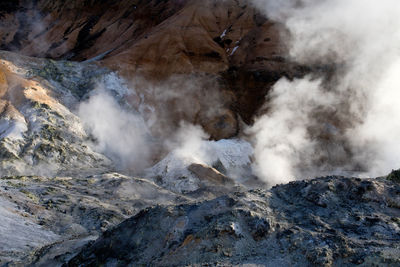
(348,121)
(119,134)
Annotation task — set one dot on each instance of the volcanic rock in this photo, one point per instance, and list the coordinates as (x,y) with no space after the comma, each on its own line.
(43,218)
(228,40)
(331,221)
(209,174)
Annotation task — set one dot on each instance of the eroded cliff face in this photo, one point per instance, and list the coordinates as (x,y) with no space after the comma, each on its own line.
(226,41)
(78,30)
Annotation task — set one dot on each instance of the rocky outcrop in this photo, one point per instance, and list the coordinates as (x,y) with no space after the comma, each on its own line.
(38,132)
(227,165)
(206,173)
(331,221)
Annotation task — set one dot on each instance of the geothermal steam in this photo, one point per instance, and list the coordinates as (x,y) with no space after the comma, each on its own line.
(348,120)
(137,125)
(120,134)
(345,119)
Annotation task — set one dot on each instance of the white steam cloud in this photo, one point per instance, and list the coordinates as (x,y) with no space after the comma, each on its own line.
(136,126)
(281,140)
(345,121)
(120,134)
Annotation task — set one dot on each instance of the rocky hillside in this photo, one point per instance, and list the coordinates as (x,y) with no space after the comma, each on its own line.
(226,40)
(124,141)
(38,131)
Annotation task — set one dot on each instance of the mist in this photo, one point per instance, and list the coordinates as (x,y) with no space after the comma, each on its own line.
(137,123)
(340,122)
(118,133)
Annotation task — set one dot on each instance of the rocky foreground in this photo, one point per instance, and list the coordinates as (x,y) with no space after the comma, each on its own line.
(324,222)
(332,221)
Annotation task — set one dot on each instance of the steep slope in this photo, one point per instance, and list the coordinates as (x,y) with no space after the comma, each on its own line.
(229,41)
(38,132)
(77,30)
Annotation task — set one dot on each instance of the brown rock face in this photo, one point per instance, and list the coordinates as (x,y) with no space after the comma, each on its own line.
(206,173)
(227,40)
(3,83)
(77,30)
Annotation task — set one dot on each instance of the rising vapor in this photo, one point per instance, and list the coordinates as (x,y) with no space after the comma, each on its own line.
(120,134)
(348,120)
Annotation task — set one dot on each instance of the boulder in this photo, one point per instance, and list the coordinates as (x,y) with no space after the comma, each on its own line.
(209,174)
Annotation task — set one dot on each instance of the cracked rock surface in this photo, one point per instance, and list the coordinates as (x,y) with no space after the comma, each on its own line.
(332,221)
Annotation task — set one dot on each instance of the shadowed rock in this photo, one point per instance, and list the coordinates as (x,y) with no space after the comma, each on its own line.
(331,221)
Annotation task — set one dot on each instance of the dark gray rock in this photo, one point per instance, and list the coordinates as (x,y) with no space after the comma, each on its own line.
(329,221)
